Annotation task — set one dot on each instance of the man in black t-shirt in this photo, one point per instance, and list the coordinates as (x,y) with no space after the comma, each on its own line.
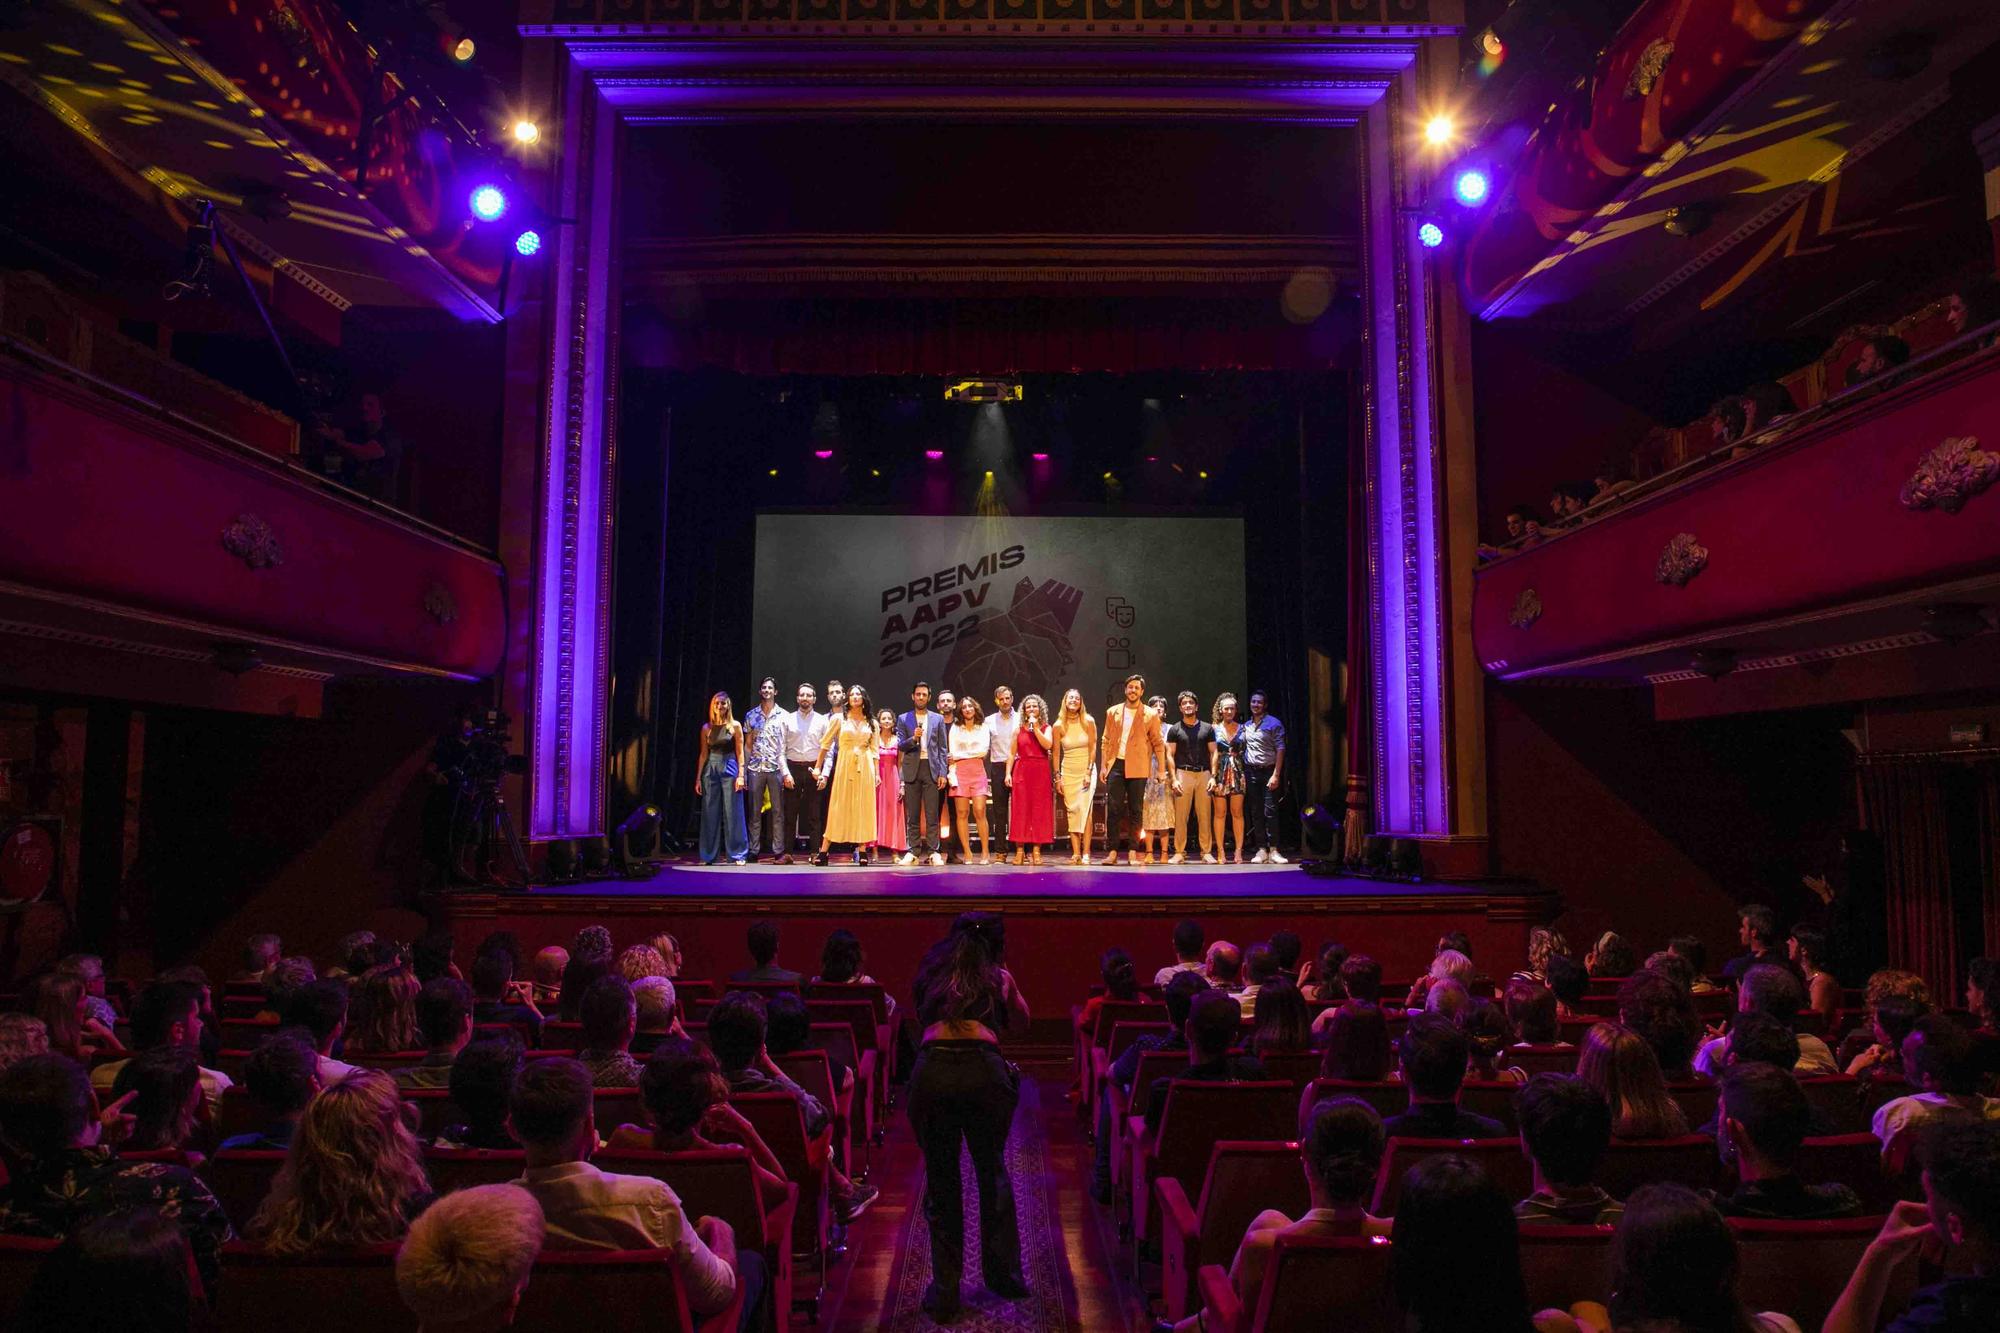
(1190,750)
(1213,1020)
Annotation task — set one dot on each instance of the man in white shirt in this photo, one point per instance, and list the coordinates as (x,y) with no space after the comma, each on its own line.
(550,1113)
(1001,724)
(804,732)
(1941,1060)
(1188,955)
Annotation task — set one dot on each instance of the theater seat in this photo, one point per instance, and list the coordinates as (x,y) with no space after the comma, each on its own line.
(1854,1160)
(1501,1159)
(1800,1268)
(810,1070)
(458,1168)
(329,1293)
(1553,1058)
(614,1291)
(240,1178)
(1836,1103)
(1198,1115)
(1312,1283)
(1243,1180)
(1565,1264)
(1152,1066)
(435,1110)
(20,1256)
(1387,1098)
(1688,1159)
(1696,1097)
(779,1122)
(1492,1098)
(1299,1068)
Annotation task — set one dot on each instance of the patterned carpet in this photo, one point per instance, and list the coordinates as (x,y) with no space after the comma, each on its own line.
(1052,1293)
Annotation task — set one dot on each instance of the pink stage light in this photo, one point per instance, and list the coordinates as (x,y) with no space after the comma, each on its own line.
(1039,458)
(934,455)
(822,453)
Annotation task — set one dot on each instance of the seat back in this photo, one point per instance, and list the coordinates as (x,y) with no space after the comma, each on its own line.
(1553,1058)
(558,1036)
(810,1070)
(1836,1103)
(1387,1098)
(1696,1097)
(243,1034)
(1317,1282)
(871,991)
(387,1061)
(1492,1098)
(1565,1264)
(1800,1268)
(710,1182)
(1244,1178)
(781,1124)
(1153,1066)
(1124,1034)
(859,1016)
(321,1293)
(837,1040)
(1688,1159)
(1299,1068)
(435,1110)
(237,1114)
(20,1256)
(240,1178)
(1501,1159)
(1199,1115)
(1113,1012)
(457,1168)
(604,1291)
(1854,1160)
(619,1106)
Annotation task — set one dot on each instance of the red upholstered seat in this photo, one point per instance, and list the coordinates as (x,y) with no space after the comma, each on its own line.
(1554,1058)
(434,1110)
(1299,1068)
(1152,1066)
(1197,1116)
(459,1168)
(1689,1159)
(1799,1268)
(810,1070)
(558,1036)
(1243,1180)
(1312,1283)
(1096,1062)
(240,1178)
(1854,1160)
(1493,1098)
(1501,1159)
(1387,1098)
(20,1256)
(613,1107)
(614,1291)
(1836,1103)
(1563,1265)
(779,1122)
(858,1012)
(1696,1097)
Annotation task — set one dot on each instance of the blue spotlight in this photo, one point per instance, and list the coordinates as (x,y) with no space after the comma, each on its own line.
(1471,186)
(488,202)
(528,243)
(1430,235)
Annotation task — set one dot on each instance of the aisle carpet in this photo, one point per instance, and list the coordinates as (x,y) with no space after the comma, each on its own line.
(1051,1289)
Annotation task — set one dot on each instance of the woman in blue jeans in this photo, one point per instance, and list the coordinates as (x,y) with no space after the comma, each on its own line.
(962,1089)
(719,783)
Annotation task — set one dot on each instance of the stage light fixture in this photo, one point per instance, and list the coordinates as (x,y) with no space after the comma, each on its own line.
(526,131)
(1470,186)
(1202,475)
(1440,130)
(773,472)
(822,453)
(528,243)
(1039,458)
(1490,43)
(1429,234)
(488,202)
(935,455)
(463,50)
(983,391)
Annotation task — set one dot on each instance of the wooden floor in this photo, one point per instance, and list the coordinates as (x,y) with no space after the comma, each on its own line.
(858,1298)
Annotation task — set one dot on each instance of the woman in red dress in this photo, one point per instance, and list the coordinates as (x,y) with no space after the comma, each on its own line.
(1031,779)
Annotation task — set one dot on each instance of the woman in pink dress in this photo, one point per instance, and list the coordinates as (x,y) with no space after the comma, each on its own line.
(1031,780)
(889,791)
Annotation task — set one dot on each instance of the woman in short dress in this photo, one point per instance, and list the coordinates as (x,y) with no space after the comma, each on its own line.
(1076,762)
(1031,818)
(1156,811)
(889,788)
(850,806)
(1226,782)
(970,742)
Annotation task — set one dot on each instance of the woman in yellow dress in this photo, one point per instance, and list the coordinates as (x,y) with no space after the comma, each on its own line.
(850,806)
(1076,771)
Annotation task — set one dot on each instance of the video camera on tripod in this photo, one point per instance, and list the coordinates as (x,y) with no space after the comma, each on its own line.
(482,828)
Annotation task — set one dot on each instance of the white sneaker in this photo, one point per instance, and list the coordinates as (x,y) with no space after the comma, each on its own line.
(1175,859)
(937,858)
(906,859)
(1208,858)
(1260,858)
(1276,859)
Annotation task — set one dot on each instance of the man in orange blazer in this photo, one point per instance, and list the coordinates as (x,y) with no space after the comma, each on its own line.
(1131,738)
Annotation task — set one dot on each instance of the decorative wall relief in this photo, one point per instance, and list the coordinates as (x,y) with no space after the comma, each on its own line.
(253,541)
(1681,560)
(1950,474)
(440,605)
(1647,69)
(1527,609)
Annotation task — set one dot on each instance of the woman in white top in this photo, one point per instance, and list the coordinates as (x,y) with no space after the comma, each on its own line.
(970,741)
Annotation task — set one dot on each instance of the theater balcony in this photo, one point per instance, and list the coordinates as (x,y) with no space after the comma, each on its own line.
(1857,527)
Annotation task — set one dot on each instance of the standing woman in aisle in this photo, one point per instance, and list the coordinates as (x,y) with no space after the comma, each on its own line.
(1031,782)
(1076,763)
(889,837)
(1231,745)
(970,743)
(718,781)
(850,802)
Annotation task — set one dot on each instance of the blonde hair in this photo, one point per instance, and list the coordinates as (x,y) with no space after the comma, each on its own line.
(669,950)
(1082,712)
(22,1035)
(641,960)
(653,997)
(58,997)
(1894,981)
(1215,712)
(384,1014)
(351,1174)
(1451,965)
(470,1252)
(1544,944)
(728,709)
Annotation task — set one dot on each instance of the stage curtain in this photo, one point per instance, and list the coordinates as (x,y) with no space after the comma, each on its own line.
(1904,805)
(1989,859)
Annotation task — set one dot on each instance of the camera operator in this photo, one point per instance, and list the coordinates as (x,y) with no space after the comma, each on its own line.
(450,774)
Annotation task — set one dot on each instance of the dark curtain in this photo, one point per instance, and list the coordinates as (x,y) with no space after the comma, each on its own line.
(1989,859)
(1904,804)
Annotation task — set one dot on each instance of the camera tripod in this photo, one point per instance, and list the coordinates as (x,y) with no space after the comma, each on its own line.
(484,840)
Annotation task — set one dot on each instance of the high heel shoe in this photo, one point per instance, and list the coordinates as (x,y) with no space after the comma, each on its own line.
(819,858)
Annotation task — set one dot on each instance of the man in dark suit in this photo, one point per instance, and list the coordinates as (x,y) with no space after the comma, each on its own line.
(1432,1055)
(924,766)
(764,953)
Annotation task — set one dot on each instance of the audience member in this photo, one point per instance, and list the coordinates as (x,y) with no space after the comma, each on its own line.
(1568,980)
(1889,1022)
(1433,1055)
(280,1077)
(1770,989)
(1446,999)
(208,1041)
(1942,1062)
(1973,304)
(89,969)
(579,975)
(1178,997)
(1285,950)
(1322,984)
(657,1008)
(550,965)
(1691,948)
(161,1090)
(1958,1221)
(1361,978)
(1357,1044)
(1543,944)
(1282,1024)
(1225,967)
(498,999)
(319,1009)
(1455,1257)
(1488,1036)
(1446,965)
(1762,1122)
(669,949)
(1673,1266)
(260,955)
(444,1020)
(482,1083)
(353,1176)
(610,1017)
(62,1177)
(1611,956)
(788,1028)
(1565,1131)
(585,1208)
(1756,1038)
(1618,1063)
(1879,354)
(641,961)
(60,1002)
(167,1014)
(688,1102)
(1260,969)
(842,963)
(1659,1010)
(1757,932)
(1764,403)
(434,956)
(1531,1008)
(357,952)
(763,943)
(284,981)
(1212,1022)
(128,1271)
(1188,957)
(466,1261)
(1121,982)
(1806,950)
(382,1018)
(21,1035)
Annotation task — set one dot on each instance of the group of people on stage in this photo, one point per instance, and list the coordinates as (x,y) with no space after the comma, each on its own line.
(884,783)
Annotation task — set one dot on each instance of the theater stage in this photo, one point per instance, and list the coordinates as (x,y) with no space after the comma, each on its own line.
(1060,918)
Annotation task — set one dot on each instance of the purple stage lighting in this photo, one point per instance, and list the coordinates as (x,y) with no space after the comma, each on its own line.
(1430,235)
(935,455)
(528,243)
(488,202)
(822,453)
(1039,458)
(1471,186)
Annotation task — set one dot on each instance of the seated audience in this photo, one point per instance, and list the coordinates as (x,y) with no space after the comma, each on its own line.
(657,1010)
(1188,941)
(1565,1131)
(434,956)
(1756,1038)
(1281,1019)
(357,953)
(1973,304)
(1674,968)
(1659,1010)
(1807,951)
(1531,1008)
(641,961)
(353,1176)
(1488,1035)
(1958,1221)
(589,958)
(1225,967)
(167,1014)
(466,1261)
(1890,1020)
(1879,354)
(382,1017)
(1770,989)
(1611,956)
(1357,1044)
(61,1004)
(1455,1256)
(610,1017)
(1285,950)
(1757,931)
(208,1042)
(585,1208)
(550,965)
(1618,1063)
(499,999)
(1696,953)
(688,1102)
(280,1077)
(841,963)
(1433,1055)
(1178,996)
(1762,1122)
(1121,982)
(1446,965)
(669,949)
(1674,1264)
(1212,1022)
(1322,983)
(1361,978)
(1880,986)
(21,1035)
(260,955)
(128,1271)
(788,1028)
(1942,1061)
(482,1082)
(444,1020)
(1543,944)
(763,944)
(89,969)
(62,1176)
(1447,999)
(1764,403)
(163,1086)
(282,982)
(1260,969)
(319,1009)
(1568,980)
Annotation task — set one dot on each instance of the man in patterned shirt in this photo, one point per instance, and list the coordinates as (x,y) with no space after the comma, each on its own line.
(67,1178)
(764,771)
